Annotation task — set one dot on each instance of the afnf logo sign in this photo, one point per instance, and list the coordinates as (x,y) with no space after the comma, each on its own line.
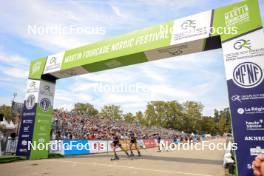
(247,75)
(30,102)
(242,43)
(45,104)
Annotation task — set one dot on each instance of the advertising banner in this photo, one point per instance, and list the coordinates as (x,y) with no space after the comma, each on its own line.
(25,132)
(243,16)
(243,50)
(244,63)
(28,119)
(141,143)
(149,143)
(98,146)
(80,147)
(191,28)
(43,119)
(76,147)
(56,146)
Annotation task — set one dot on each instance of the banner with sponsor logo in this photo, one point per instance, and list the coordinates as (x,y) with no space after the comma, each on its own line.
(239,28)
(76,147)
(43,119)
(28,118)
(141,143)
(36,119)
(242,16)
(56,146)
(149,143)
(98,146)
(191,28)
(244,64)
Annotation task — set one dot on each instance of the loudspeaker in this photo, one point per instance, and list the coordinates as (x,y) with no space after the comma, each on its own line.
(1,117)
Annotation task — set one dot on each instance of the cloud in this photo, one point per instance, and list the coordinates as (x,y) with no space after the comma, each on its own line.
(4,100)
(116,10)
(13,66)
(15,72)
(153,74)
(13,60)
(13,76)
(45,22)
(193,77)
(189,77)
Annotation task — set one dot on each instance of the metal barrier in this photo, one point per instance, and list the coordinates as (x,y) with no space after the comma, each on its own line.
(11,146)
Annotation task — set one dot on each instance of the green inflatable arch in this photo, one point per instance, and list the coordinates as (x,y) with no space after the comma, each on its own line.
(236,28)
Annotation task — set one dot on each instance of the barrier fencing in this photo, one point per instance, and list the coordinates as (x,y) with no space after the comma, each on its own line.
(73,147)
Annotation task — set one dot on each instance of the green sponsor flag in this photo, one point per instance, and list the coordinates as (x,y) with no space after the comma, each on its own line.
(36,68)
(244,16)
(132,43)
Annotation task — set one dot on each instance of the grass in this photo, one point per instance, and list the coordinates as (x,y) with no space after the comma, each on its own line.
(8,159)
(55,155)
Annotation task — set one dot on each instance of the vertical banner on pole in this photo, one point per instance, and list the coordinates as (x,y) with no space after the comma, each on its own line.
(28,118)
(43,120)
(244,64)
(36,120)
(244,60)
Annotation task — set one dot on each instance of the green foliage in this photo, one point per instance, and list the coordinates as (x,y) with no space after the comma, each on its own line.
(85,108)
(186,117)
(55,155)
(140,118)
(112,112)
(8,159)
(128,117)
(6,110)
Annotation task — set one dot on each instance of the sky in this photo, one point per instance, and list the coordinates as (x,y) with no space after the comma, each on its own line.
(199,77)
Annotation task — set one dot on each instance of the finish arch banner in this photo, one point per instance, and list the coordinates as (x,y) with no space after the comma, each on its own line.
(237,28)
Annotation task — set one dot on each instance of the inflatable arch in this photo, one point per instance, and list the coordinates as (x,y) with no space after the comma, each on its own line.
(237,28)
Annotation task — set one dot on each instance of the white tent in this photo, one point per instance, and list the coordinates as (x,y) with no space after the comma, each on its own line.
(8,125)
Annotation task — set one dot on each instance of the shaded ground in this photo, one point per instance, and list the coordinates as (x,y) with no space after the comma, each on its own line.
(177,163)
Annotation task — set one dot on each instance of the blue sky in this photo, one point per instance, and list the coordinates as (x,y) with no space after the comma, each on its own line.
(198,77)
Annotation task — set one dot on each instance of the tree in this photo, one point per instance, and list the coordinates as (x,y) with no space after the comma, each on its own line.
(193,112)
(85,108)
(140,118)
(225,121)
(216,118)
(150,115)
(112,112)
(164,114)
(193,109)
(6,110)
(129,117)
(208,125)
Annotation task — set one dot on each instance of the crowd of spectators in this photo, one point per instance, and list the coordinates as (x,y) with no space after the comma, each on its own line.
(72,125)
